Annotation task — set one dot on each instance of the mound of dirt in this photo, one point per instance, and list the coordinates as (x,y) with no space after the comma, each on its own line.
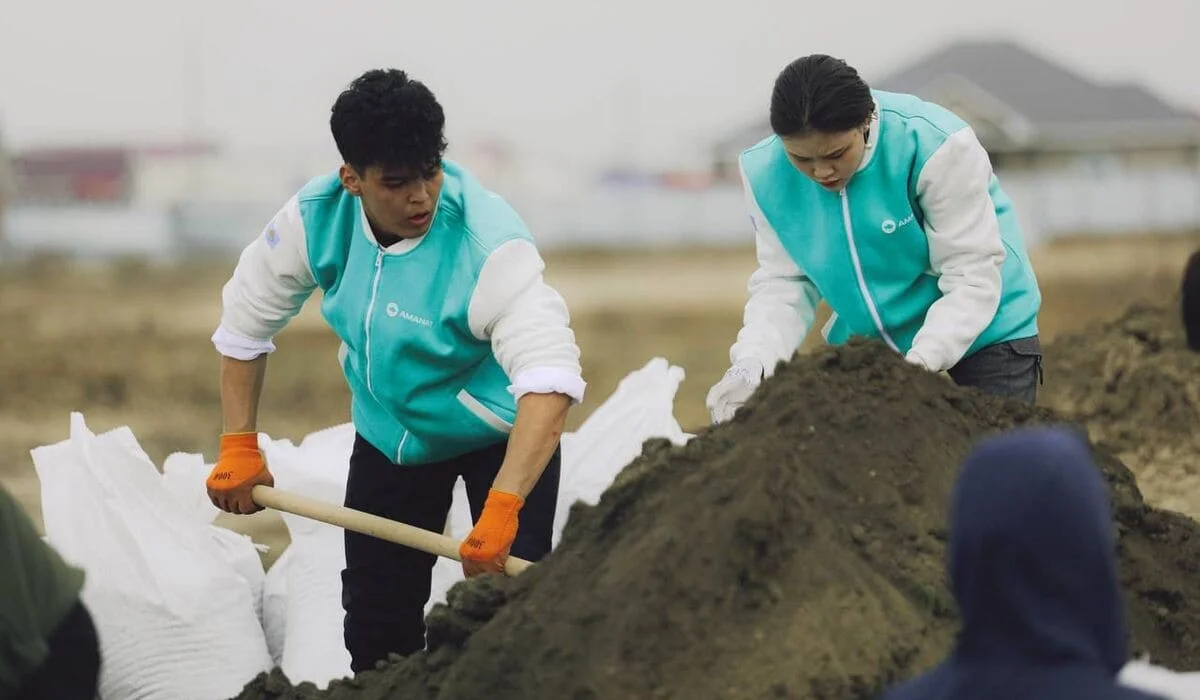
(795,552)
(1136,385)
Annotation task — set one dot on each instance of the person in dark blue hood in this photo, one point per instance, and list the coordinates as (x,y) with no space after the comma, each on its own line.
(1033,568)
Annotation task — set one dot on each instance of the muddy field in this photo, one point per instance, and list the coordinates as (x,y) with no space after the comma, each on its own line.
(129,346)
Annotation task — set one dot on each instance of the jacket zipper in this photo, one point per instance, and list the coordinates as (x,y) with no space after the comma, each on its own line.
(858,272)
(370,314)
(367,329)
(400,449)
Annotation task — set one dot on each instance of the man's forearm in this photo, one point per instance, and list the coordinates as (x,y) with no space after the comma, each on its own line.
(534,437)
(241,387)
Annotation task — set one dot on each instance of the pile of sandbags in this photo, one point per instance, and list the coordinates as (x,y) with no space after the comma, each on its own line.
(175,599)
(184,608)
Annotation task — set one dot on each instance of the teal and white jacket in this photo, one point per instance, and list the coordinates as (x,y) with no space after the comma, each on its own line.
(921,249)
(440,334)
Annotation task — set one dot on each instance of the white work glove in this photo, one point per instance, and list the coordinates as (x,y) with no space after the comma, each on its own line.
(728,395)
(914,359)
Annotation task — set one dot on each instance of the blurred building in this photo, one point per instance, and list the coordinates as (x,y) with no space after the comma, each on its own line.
(146,199)
(1077,156)
(96,200)
(116,175)
(7,188)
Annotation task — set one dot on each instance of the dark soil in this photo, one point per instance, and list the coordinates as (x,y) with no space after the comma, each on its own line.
(1136,385)
(795,552)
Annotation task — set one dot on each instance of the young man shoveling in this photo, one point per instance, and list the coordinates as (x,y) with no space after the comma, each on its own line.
(460,360)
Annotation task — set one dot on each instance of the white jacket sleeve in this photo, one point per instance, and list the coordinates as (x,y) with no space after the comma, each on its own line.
(783,300)
(268,287)
(965,250)
(528,323)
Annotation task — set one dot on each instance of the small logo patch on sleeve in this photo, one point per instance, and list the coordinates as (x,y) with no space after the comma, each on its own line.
(271,235)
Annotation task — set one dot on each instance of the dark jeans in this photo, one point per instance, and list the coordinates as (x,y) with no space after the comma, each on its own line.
(385,586)
(72,669)
(1011,368)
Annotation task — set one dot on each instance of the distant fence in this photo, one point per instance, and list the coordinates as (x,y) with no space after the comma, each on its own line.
(1157,201)
(613,216)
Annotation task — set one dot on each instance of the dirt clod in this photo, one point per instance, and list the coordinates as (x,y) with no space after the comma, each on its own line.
(1136,385)
(795,552)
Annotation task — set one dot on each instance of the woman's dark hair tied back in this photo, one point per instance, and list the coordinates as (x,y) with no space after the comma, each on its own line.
(819,93)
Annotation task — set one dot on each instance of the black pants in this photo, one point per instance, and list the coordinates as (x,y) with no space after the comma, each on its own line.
(385,586)
(1011,368)
(72,669)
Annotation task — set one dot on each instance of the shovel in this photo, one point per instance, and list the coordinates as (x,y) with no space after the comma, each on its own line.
(367,524)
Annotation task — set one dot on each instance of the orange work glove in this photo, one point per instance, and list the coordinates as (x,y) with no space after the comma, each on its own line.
(485,550)
(239,468)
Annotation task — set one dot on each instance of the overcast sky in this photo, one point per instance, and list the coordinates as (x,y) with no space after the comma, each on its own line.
(578,79)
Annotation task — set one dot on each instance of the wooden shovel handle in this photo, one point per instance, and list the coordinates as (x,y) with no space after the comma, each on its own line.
(368,524)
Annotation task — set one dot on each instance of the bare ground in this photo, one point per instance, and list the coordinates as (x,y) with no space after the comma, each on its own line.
(128,344)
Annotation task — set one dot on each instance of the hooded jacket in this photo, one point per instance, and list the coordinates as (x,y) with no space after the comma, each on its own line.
(1033,568)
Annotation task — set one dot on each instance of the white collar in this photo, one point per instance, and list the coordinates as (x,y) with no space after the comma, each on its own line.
(404,244)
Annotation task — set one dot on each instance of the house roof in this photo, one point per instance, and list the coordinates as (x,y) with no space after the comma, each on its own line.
(1042,91)
(1017,99)
(1031,100)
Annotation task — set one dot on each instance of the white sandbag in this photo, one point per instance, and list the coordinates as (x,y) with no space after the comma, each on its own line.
(336,440)
(184,475)
(302,612)
(641,408)
(275,605)
(313,647)
(1141,674)
(244,557)
(176,620)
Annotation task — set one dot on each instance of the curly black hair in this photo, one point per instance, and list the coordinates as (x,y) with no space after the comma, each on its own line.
(384,118)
